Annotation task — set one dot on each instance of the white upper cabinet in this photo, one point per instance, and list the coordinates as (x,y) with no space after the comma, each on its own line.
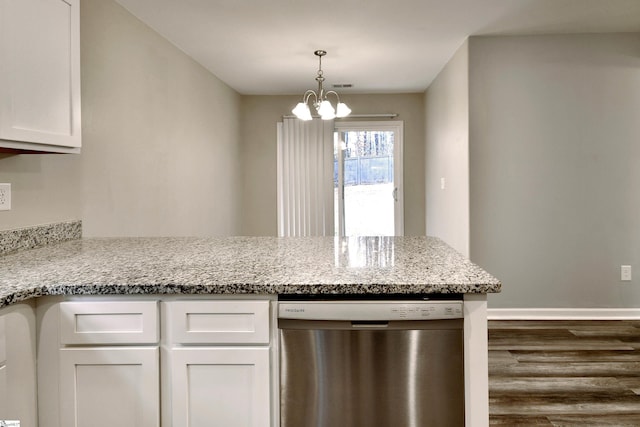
(40,75)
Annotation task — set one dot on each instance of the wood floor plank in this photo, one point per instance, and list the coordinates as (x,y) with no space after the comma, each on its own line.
(555,385)
(520,421)
(633,344)
(606,331)
(531,334)
(565,404)
(573,356)
(560,324)
(632,383)
(501,357)
(632,420)
(559,345)
(568,369)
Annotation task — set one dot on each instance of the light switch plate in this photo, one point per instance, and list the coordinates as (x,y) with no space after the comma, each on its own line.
(625,273)
(5,197)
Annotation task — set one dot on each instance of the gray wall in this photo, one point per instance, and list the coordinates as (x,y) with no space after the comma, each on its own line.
(45,188)
(259,117)
(160,151)
(160,134)
(555,167)
(447,153)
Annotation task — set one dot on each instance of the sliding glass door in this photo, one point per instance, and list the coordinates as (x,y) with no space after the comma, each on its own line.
(368,196)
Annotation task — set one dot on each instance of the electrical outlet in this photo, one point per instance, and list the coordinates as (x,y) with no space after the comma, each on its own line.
(625,273)
(5,197)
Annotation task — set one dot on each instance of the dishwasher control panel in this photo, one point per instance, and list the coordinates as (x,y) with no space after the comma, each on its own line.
(370,310)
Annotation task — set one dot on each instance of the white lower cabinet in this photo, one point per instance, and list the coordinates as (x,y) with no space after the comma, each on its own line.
(131,362)
(105,387)
(220,386)
(4,389)
(109,364)
(18,384)
(218,363)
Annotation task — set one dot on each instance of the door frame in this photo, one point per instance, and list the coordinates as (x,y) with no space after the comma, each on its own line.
(397,127)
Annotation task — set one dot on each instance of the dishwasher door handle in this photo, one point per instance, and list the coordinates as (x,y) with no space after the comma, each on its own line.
(369,324)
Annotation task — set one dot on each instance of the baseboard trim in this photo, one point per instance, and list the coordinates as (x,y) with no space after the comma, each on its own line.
(563,313)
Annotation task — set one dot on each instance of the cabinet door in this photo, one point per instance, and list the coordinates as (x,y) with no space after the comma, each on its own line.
(105,387)
(18,396)
(4,391)
(40,74)
(220,386)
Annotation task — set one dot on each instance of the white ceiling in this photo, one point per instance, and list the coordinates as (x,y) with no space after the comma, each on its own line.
(266,46)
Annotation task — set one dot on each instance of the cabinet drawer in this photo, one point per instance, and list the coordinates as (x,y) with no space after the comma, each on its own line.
(109,322)
(219,322)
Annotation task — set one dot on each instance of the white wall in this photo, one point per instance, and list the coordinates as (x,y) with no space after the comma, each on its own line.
(447,153)
(555,167)
(161,134)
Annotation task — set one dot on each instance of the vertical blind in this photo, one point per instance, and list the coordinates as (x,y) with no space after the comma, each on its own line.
(305,177)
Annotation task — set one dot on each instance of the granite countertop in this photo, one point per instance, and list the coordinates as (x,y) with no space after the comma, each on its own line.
(241,265)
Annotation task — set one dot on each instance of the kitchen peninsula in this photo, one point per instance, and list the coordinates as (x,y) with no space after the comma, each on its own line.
(36,284)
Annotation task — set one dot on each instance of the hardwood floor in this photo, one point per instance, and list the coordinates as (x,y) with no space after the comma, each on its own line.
(564,373)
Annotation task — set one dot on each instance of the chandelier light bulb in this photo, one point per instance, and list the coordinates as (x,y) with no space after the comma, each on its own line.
(342,110)
(326,111)
(302,111)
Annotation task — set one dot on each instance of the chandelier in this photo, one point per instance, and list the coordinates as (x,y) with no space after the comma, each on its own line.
(320,101)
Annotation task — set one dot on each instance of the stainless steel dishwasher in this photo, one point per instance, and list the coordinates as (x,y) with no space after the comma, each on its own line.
(371,363)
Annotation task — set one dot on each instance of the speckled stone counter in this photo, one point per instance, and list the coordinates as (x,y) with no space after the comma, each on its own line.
(241,265)
(40,235)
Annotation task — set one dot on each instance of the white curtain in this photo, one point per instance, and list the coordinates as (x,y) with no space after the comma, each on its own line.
(305,177)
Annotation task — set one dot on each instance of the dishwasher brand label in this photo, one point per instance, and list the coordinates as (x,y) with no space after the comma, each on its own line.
(371,310)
